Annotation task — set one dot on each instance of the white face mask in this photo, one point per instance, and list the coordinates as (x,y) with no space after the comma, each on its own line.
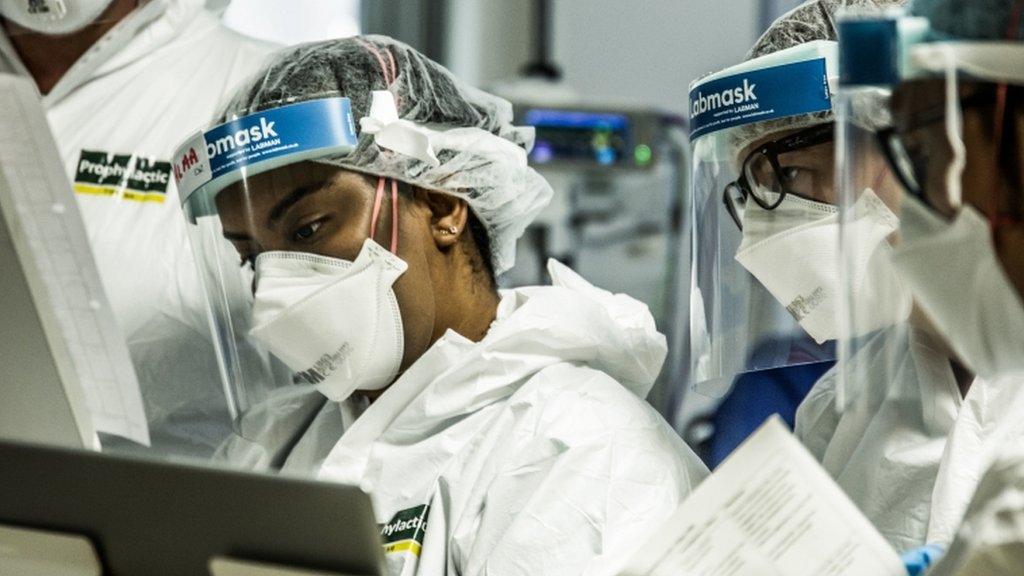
(335,323)
(954,273)
(793,251)
(53,17)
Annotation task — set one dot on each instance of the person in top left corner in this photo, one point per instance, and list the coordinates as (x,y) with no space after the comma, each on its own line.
(121,81)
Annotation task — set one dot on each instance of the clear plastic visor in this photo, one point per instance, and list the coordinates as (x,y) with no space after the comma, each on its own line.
(921,305)
(880,347)
(273,231)
(765,229)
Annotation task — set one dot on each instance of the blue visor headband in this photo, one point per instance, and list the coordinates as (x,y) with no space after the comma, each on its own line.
(212,159)
(758,96)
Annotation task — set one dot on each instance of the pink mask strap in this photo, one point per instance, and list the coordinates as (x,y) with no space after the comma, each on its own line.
(394,78)
(376,208)
(389,74)
(380,59)
(394,217)
(394,66)
(377,201)
(389,68)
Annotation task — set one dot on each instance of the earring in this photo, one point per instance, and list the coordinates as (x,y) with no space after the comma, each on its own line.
(449,230)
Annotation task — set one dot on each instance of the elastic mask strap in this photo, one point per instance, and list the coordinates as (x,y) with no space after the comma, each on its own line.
(377,201)
(954,133)
(394,78)
(1000,115)
(880,178)
(389,69)
(380,60)
(394,216)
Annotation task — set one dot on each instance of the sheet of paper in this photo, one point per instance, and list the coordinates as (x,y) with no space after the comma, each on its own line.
(770,509)
(53,231)
(30,552)
(229,567)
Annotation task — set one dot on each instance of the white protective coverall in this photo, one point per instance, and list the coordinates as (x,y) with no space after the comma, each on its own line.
(117,114)
(990,426)
(990,541)
(531,452)
(885,448)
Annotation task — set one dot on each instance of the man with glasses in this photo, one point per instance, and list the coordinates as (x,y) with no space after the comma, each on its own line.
(771,286)
(799,163)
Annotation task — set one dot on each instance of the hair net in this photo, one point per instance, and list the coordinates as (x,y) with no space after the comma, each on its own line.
(969,19)
(814,20)
(471,149)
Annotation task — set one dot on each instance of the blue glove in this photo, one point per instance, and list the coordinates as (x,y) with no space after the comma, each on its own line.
(918,560)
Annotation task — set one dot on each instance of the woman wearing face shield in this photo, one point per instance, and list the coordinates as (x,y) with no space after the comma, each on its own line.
(498,432)
(956,144)
(781,282)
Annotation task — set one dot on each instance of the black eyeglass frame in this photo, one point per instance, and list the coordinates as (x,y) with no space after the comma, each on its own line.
(890,141)
(807,138)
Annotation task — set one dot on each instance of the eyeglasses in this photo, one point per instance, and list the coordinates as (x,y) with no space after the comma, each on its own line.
(762,177)
(905,161)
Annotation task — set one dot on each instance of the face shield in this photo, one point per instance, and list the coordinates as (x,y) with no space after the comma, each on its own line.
(285,191)
(939,268)
(61,17)
(248,187)
(764,214)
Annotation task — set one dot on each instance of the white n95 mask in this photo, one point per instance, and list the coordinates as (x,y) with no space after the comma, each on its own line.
(793,251)
(335,323)
(954,273)
(53,16)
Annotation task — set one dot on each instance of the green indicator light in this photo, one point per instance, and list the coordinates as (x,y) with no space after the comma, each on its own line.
(642,154)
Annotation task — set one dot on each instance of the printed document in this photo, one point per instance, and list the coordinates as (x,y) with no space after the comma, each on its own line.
(769,509)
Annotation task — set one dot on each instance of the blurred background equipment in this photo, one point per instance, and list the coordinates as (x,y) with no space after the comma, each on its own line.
(619,172)
(620,180)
